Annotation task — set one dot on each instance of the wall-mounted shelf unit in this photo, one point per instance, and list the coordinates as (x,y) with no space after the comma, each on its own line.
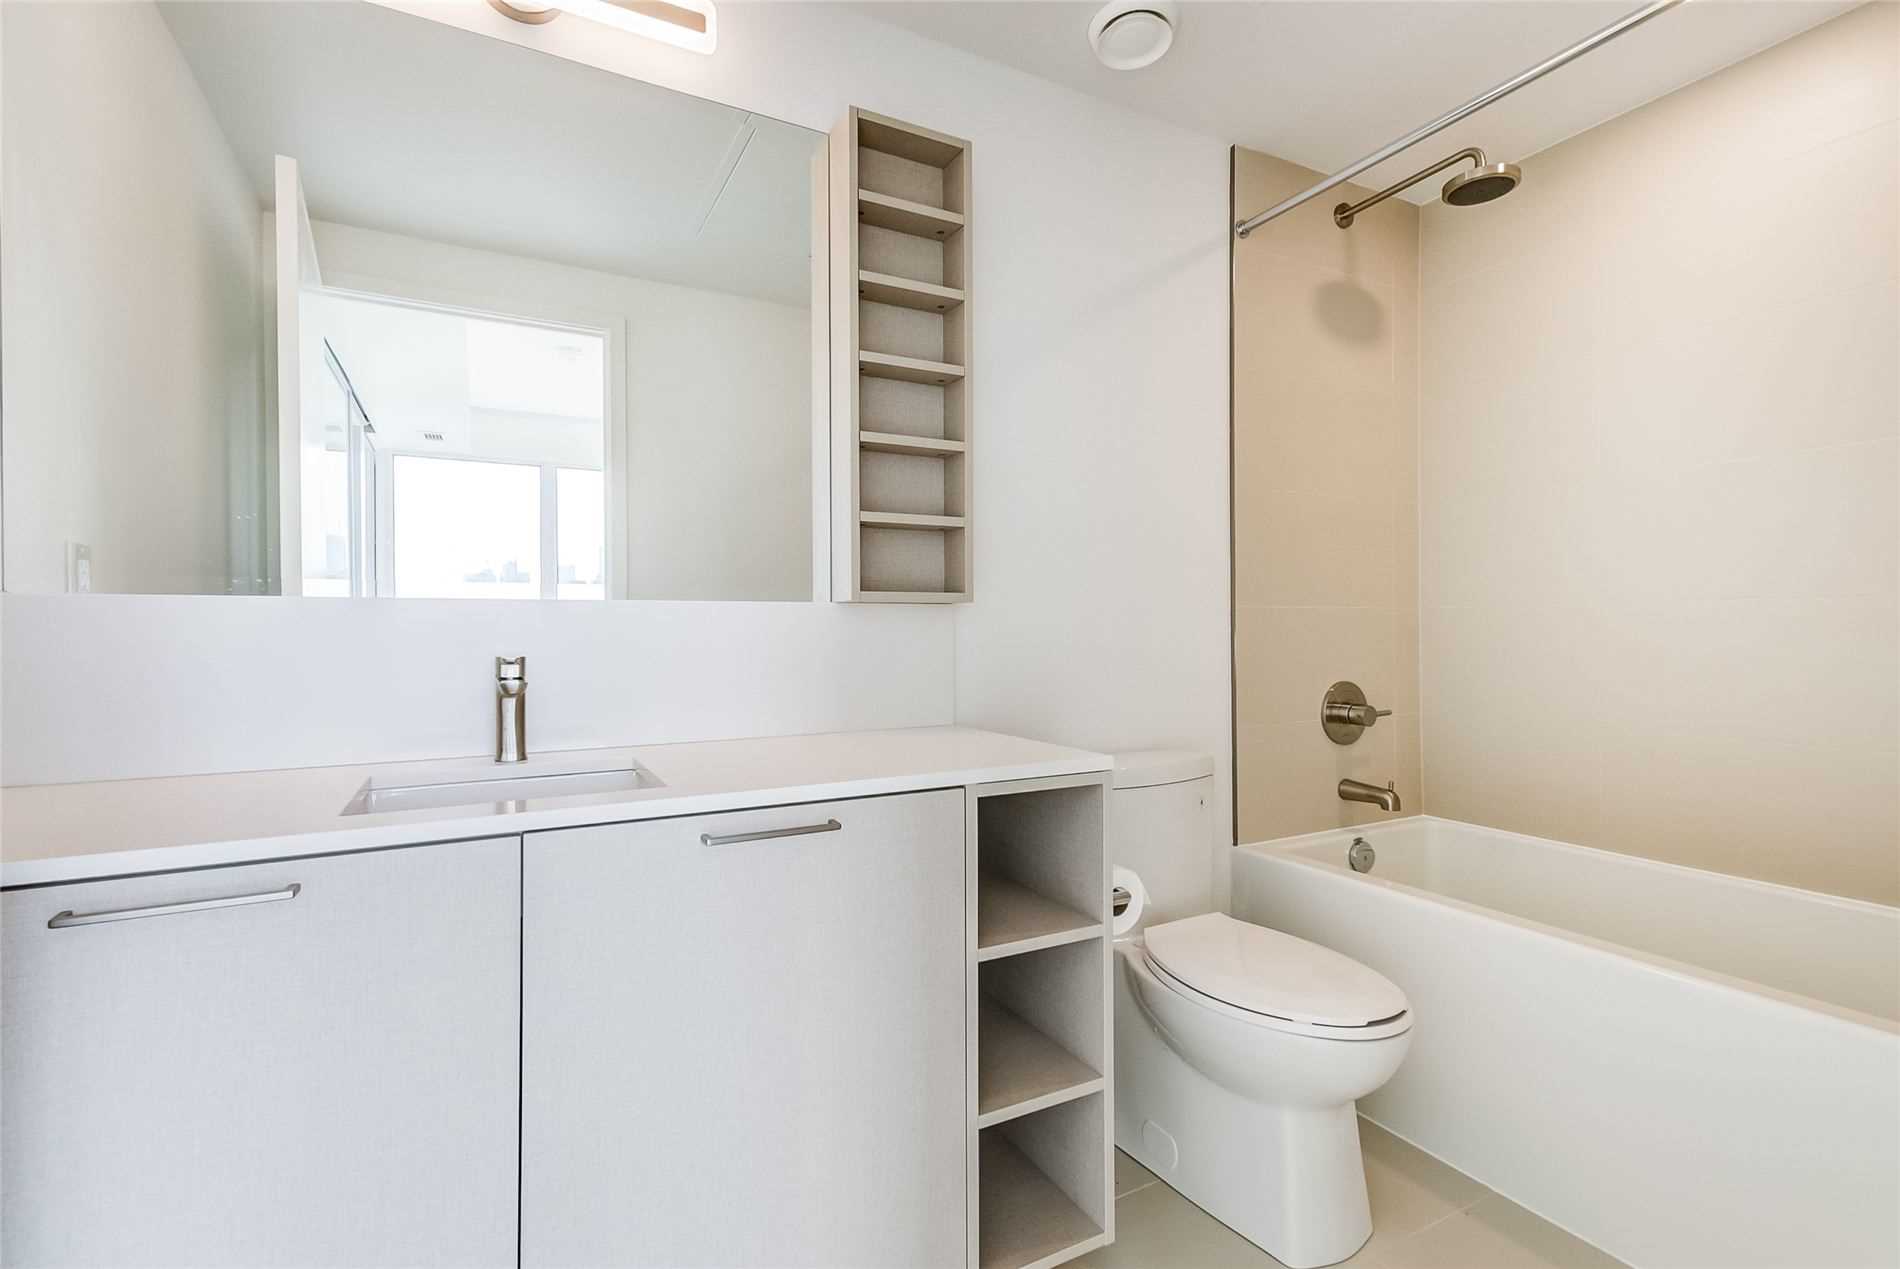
(1041,1044)
(900,363)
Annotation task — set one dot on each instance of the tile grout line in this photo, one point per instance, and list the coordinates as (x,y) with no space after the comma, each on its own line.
(1381,1254)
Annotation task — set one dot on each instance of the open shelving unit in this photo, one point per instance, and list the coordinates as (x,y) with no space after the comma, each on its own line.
(1041,1040)
(900,351)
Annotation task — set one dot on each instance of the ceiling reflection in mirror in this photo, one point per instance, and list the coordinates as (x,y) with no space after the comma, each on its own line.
(328,299)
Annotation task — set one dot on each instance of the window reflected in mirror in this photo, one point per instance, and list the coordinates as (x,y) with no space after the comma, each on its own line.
(327,299)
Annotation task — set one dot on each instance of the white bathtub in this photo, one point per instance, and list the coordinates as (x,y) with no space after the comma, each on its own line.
(1684,1068)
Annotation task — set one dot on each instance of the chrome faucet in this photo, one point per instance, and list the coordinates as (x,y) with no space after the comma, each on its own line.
(511,709)
(1386,799)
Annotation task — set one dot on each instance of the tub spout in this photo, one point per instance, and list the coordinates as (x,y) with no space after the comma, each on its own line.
(1386,799)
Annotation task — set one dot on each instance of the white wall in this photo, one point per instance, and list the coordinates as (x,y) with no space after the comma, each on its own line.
(1660,478)
(1099,310)
(717,390)
(131,347)
(116,686)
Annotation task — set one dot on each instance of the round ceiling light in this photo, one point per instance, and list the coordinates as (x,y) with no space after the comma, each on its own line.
(1129,34)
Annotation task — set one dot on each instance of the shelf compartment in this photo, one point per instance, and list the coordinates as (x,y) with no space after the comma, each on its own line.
(1056,994)
(909,331)
(1027,1217)
(910,485)
(909,256)
(908,565)
(906,216)
(915,446)
(885,288)
(1012,919)
(907,141)
(1020,1070)
(1039,867)
(900,408)
(909,369)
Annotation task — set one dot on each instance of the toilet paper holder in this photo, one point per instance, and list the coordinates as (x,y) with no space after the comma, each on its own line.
(1127,899)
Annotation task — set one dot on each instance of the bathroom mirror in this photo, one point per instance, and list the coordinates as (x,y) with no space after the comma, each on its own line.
(329,299)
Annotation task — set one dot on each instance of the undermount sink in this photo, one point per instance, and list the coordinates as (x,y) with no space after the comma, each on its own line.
(474,783)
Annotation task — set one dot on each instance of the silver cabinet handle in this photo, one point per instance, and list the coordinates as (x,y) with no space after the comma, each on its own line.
(69,918)
(733,839)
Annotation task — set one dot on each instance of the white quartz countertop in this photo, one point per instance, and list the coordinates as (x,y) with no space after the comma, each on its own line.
(74,832)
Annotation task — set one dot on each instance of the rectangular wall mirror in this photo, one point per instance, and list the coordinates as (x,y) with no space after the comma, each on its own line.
(328,299)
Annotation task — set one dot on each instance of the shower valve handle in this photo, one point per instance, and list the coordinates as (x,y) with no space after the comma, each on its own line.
(1355,715)
(1345,713)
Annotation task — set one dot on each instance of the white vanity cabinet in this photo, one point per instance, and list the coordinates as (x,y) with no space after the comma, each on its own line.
(322,1071)
(745,1039)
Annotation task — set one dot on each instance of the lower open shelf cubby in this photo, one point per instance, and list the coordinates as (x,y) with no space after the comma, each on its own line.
(1041,1025)
(1019,1070)
(1042,1187)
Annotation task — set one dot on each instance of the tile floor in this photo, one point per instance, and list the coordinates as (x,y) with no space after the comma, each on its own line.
(1425,1215)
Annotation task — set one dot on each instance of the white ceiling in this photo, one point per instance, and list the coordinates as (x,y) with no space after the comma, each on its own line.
(415,127)
(1323,82)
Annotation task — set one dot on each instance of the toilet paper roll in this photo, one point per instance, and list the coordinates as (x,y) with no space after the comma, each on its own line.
(1124,879)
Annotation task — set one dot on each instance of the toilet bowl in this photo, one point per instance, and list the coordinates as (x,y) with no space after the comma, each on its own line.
(1239,1050)
(1239,1054)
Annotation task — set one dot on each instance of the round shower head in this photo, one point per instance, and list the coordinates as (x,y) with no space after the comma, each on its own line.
(1481,184)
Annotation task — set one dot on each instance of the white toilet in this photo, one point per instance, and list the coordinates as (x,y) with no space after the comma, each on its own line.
(1239,1050)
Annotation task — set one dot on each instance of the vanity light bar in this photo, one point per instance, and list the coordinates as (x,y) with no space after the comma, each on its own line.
(689,24)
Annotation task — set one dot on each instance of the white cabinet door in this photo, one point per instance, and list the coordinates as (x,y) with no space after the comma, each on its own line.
(748,1054)
(324,1079)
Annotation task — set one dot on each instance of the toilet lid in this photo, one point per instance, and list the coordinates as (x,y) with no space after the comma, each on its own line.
(1265,971)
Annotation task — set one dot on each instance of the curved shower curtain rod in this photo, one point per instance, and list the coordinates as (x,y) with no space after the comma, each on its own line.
(1627,22)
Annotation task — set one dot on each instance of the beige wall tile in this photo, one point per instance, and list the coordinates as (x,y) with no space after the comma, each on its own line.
(1288,775)
(1817,815)
(1408,761)
(1380,244)
(1808,522)
(1353,440)
(1288,657)
(1298,547)
(1297,320)
(1325,499)
(1644,588)
(1405,694)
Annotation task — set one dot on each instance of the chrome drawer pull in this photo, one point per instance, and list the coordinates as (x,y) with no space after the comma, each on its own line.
(68,918)
(733,839)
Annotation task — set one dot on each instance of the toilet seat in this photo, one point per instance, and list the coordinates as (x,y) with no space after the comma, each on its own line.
(1270,979)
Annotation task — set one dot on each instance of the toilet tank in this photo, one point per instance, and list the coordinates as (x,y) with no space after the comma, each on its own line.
(1160,825)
